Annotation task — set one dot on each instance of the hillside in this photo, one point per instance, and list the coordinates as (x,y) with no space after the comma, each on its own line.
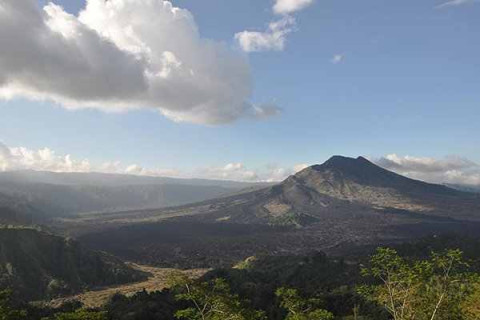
(39,265)
(18,211)
(60,194)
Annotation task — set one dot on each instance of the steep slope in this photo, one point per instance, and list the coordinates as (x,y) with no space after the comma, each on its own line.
(39,265)
(60,194)
(359,180)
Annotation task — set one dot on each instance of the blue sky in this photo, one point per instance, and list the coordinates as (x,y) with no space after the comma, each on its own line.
(407,82)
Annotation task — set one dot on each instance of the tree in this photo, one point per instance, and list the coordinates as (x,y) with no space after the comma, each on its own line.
(300,308)
(471,305)
(80,314)
(430,289)
(210,301)
(7,310)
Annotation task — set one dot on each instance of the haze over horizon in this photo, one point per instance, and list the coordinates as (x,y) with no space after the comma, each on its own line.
(251,90)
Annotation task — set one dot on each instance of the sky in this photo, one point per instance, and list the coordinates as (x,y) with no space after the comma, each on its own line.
(244,90)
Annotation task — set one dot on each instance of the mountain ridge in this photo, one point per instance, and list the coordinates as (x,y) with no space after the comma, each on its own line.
(63,194)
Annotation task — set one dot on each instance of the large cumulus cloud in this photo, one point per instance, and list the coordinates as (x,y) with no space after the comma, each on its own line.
(118,55)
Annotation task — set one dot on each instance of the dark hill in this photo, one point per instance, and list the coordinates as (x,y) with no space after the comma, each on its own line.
(40,265)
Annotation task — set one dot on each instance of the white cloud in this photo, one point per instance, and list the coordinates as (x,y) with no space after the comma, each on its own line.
(273,39)
(336,59)
(231,171)
(299,167)
(20,158)
(290,6)
(119,55)
(265,111)
(454,170)
(138,170)
(45,159)
(454,3)
(277,174)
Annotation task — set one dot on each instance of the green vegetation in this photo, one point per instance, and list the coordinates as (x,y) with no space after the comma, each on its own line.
(300,308)
(8,310)
(80,314)
(471,305)
(385,286)
(11,310)
(210,301)
(423,289)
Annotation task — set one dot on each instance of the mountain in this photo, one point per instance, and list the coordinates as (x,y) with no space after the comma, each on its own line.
(336,206)
(60,194)
(40,265)
(341,188)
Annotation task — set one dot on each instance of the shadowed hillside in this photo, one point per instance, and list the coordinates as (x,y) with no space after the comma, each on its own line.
(38,265)
(18,211)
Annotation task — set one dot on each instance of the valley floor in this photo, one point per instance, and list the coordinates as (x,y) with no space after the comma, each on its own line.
(157,281)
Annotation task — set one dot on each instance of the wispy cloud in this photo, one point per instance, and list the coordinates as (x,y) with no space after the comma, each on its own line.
(453,3)
(275,37)
(336,59)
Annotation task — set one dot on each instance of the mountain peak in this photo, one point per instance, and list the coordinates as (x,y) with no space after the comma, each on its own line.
(344,163)
(340,171)
(359,170)
(361,158)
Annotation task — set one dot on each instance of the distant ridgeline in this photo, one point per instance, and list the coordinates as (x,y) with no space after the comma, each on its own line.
(39,265)
(27,195)
(17,211)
